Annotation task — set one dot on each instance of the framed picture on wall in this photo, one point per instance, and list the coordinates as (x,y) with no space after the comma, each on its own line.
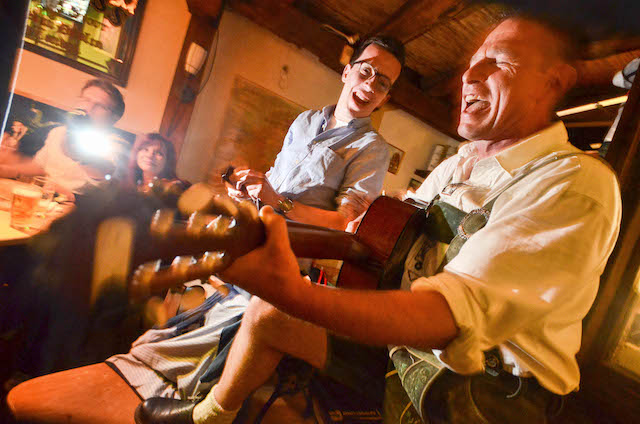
(396,158)
(95,36)
(254,127)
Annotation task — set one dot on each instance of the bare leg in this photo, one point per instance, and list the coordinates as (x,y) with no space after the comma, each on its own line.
(93,394)
(266,334)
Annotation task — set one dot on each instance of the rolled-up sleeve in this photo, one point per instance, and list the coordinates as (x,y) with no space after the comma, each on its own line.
(540,255)
(363,178)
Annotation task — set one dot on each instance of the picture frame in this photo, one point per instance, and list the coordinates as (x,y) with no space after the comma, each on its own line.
(396,158)
(99,41)
(255,125)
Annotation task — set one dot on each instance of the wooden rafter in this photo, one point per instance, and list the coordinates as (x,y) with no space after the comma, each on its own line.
(415,17)
(294,26)
(209,8)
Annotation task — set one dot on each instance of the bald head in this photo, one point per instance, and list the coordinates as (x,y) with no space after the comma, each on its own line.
(513,82)
(555,46)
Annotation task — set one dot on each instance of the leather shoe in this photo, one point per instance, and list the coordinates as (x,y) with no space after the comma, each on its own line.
(164,411)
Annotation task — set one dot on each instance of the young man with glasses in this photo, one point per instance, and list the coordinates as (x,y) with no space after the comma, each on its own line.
(332,162)
(67,155)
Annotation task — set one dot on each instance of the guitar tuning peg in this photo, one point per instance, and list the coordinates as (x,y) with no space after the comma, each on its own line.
(146,271)
(162,221)
(198,222)
(221,226)
(224,206)
(213,261)
(181,264)
(142,278)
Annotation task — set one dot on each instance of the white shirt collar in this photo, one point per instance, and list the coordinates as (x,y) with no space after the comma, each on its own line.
(551,139)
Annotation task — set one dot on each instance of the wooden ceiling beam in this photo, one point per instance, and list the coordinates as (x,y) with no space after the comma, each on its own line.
(292,25)
(415,17)
(599,72)
(206,8)
(594,79)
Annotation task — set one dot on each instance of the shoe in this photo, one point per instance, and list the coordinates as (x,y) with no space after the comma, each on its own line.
(164,411)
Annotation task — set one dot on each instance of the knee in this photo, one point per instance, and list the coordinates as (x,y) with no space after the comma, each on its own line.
(20,400)
(263,318)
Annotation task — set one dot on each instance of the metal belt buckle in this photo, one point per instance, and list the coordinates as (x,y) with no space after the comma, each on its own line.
(492,363)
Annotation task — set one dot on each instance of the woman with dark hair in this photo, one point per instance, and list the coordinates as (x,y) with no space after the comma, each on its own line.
(152,158)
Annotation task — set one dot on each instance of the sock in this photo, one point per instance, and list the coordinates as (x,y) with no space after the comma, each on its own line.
(209,411)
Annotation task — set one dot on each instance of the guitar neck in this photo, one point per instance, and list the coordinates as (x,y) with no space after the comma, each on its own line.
(307,241)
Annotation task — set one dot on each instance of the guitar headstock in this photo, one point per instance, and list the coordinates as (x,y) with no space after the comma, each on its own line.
(207,243)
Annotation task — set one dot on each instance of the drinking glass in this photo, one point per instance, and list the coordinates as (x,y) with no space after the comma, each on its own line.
(47,190)
(23,207)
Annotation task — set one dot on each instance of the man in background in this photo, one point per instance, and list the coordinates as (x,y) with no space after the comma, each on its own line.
(82,153)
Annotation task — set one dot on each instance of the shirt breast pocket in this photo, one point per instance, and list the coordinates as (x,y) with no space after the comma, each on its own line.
(325,167)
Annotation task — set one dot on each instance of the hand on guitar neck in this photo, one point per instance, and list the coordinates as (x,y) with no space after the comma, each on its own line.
(233,231)
(274,261)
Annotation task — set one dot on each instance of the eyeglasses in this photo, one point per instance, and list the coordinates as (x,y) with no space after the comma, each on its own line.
(366,71)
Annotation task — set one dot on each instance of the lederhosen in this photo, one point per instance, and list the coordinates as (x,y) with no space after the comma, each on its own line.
(422,390)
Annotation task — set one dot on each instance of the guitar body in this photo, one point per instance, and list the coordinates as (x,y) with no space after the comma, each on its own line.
(389,229)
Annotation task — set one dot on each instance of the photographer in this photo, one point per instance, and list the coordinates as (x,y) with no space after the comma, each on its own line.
(82,153)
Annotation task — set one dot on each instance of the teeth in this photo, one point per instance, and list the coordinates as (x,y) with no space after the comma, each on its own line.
(361,98)
(471,98)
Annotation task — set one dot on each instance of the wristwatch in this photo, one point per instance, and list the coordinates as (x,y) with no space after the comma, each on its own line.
(285,205)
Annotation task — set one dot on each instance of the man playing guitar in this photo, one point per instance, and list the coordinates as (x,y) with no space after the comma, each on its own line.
(521,285)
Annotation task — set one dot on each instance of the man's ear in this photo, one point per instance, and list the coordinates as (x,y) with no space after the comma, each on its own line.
(563,77)
(385,100)
(345,72)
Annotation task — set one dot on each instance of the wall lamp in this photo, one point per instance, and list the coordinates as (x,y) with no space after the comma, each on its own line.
(196,57)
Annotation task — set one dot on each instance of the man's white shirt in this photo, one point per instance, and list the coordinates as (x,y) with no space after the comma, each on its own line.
(526,280)
(60,167)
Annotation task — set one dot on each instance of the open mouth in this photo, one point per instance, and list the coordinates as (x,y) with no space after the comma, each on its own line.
(359,100)
(474,103)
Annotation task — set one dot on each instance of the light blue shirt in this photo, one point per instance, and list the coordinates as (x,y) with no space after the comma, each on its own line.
(340,167)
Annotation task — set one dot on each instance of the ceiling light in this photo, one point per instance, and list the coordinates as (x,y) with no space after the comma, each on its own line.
(591,106)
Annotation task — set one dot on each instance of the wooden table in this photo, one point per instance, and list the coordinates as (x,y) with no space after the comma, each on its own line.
(9,235)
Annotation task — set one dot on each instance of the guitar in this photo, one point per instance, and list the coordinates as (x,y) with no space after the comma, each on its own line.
(373,256)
